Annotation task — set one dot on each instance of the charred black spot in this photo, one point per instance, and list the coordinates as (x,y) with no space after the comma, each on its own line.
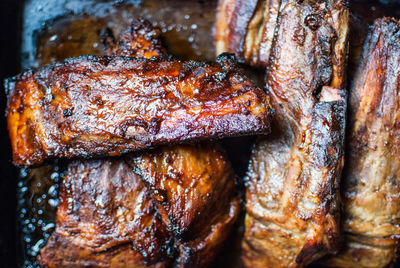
(68,112)
(313,21)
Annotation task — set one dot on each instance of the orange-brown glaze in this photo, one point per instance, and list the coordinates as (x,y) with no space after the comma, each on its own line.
(94,105)
(293,183)
(371,182)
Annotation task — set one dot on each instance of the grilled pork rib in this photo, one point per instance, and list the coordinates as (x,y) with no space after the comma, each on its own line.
(371,182)
(188,196)
(293,182)
(109,105)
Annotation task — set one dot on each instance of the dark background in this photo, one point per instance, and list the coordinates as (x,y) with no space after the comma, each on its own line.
(10,21)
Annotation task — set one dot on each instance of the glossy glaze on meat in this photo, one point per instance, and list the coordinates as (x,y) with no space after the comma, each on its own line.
(371,182)
(293,181)
(109,105)
(178,211)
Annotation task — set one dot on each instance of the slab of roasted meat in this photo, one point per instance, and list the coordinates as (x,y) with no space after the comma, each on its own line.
(185,194)
(106,217)
(293,183)
(175,209)
(110,105)
(371,182)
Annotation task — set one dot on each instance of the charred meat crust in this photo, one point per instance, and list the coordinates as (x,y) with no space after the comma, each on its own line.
(370,186)
(293,180)
(94,105)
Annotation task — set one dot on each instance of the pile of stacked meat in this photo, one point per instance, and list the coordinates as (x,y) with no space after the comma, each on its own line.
(147,185)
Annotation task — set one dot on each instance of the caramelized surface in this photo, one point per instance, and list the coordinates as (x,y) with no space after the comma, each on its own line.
(293,182)
(95,105)
(371,182)
(194,190)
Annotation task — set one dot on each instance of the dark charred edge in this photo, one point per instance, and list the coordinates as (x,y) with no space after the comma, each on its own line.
(224,59)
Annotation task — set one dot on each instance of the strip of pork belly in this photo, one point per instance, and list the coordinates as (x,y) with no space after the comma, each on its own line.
(247,29)
(92,105)
(293,181)
(371,182)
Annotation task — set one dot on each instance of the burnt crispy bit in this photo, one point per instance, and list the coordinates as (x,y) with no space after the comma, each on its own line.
(140,40)
(371,181)
(293,181)
(119,104)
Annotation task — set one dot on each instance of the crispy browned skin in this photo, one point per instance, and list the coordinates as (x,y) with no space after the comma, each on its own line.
(246,28)
(176,208)
(292,189)
(140,40)
(93,105)
(371,182)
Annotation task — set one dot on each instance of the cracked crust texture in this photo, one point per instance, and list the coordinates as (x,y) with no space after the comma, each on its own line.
(293,181)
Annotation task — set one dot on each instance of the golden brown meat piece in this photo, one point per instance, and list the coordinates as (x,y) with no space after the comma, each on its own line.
(246,28)
(176,208)
(293,182)
(140,40)
(93,105)
(371,182)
